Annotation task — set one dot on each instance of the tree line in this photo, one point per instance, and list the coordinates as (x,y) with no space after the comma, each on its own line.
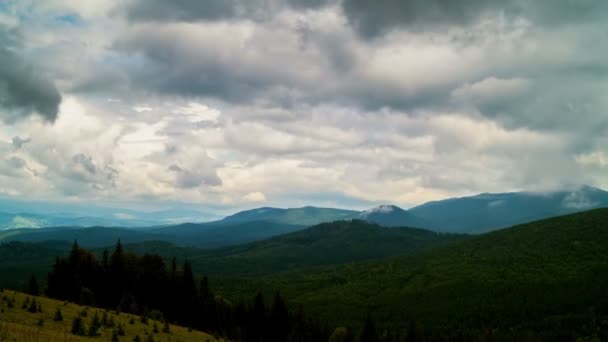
(146,286)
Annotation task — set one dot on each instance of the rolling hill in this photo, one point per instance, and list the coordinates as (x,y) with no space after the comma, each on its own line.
(216,235)
(324,244)
(548,276)
(305,216)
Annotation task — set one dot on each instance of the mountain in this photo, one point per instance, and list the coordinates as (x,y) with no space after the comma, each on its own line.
(392,216)
(251,225)
(547,276)
(324,244)
(306,216)
(216,235)
(39,214)
(86,237)
(486,212)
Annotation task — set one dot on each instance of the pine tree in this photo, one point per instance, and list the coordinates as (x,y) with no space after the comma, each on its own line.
(33,287)
(369,334)
(279,320)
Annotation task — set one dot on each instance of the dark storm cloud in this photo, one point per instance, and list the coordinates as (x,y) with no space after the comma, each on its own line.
(23,89)
(198,10)
(186,59)
(374,17)
(305,4)
(182,10)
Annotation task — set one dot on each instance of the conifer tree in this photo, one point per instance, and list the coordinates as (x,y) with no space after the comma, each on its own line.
(369,333)
(279,320)
(33,287)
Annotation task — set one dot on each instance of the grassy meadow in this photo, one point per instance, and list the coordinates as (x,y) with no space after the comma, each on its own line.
(22,321)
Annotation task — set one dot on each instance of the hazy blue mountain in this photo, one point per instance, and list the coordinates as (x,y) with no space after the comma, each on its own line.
(215,235)
(485,212)
(392,216)
(86,237)
(33,221)
(37,214)
(306,216)
(251,225)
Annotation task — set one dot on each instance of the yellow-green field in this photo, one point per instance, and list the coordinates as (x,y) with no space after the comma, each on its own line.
(19,324)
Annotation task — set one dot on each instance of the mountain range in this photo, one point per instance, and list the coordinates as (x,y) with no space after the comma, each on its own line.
(547,276)
(465,215)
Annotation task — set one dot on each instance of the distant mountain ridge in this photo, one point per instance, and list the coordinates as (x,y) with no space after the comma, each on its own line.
(473,214)
(305,216)
(486,212)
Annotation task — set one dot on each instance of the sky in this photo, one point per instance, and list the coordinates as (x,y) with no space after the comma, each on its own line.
(351,103)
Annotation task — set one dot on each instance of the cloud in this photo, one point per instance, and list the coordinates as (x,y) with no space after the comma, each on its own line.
(19,142)
(85,162)
(293,102)
(374,18)
(182,10)
(255,197)
(24,90)
(187,179)
(196,10)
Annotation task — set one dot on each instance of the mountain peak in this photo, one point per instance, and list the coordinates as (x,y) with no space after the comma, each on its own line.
(382,209)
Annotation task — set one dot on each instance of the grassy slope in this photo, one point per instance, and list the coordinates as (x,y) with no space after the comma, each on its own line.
(531,276)
(17,324)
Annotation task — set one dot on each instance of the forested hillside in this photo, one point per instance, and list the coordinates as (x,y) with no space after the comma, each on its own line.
(324,244)
(547,277)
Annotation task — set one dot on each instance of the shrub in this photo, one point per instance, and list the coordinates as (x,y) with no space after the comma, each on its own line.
(33,307)
(115,336)
(78,327)
(120,330)
(95,325)
(166,328)
(58,316)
